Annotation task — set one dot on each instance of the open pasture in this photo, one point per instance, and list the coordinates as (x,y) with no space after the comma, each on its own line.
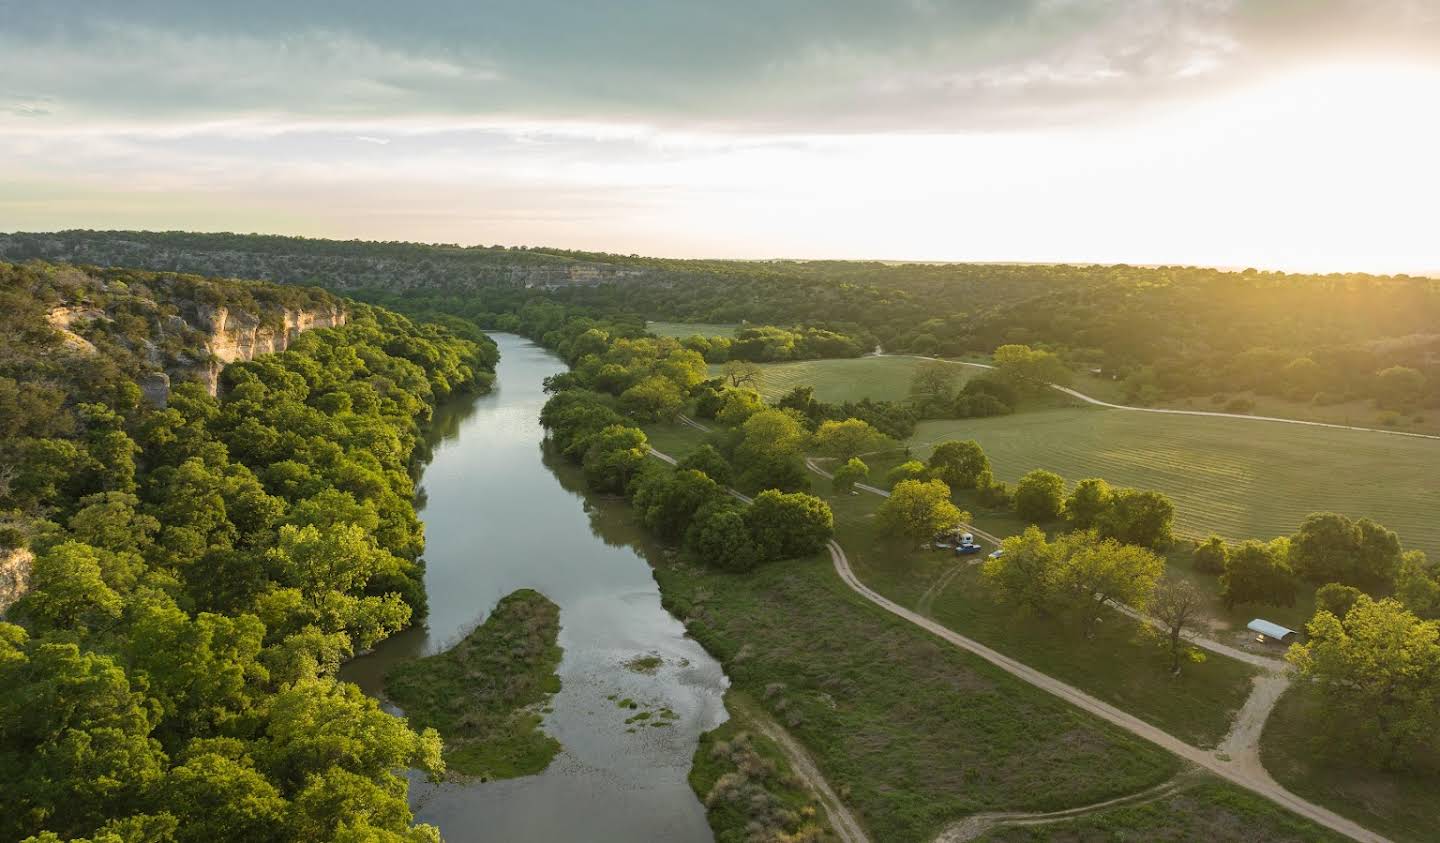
(1236,477)
(681,330)
(879,378)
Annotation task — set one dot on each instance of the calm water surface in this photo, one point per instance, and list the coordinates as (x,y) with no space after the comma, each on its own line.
(500,515)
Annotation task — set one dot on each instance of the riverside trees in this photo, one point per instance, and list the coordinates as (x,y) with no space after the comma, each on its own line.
(171,672)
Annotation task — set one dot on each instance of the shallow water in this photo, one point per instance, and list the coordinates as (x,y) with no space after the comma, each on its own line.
(500,515)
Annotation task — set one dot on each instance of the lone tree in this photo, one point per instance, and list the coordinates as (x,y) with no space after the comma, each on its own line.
(1087,503)
(959,464)
(743,373)
(1039,496)
(1258,573)
(848,438)
(1210,557)
(918,509)
(1332,548)
(1177,604)
(846,476)
(1378,672)
(932,388)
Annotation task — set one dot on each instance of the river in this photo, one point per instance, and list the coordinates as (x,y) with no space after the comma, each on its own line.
(501,515)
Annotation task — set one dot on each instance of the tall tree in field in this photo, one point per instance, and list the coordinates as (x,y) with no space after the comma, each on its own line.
(1039,496)
(743,373)
(932,387)
(1258,573)
(1097,572)
(1177,604)
(1138,517)
(1027,369)
(1332,548)
(918,509)
(1028,570)
(849,438)
(1378,671)
(847,475)
(1087,503)
(959,464)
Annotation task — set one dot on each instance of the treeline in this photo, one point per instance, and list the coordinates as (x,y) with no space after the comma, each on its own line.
(200,571)
(616,381)
(1165,331)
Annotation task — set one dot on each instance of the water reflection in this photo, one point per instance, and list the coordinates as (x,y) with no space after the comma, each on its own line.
(500,514)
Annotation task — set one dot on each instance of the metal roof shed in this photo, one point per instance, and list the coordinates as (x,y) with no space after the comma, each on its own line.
(1273,631)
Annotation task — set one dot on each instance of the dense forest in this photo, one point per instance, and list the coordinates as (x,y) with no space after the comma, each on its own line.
(199,565)
(1164,331)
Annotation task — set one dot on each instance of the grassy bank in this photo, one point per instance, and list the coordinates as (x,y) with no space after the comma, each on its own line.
(481,694)
(747,784)
(1208,810)
(911,732)
(1402,807)
(1123,663)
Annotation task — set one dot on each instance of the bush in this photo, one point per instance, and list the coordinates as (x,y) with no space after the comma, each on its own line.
(1239,405)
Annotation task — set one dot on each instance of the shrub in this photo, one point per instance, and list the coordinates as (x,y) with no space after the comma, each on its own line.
(1239,405)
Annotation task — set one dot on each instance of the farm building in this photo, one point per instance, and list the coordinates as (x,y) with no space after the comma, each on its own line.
(1271,631)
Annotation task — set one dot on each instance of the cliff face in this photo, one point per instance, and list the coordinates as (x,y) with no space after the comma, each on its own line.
(237,335)
(14,576)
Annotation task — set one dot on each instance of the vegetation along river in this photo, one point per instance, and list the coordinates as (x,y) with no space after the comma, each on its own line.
(500,515)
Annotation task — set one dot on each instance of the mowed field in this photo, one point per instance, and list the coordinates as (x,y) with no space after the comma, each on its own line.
(880,378)
(682,330)
(1239,478)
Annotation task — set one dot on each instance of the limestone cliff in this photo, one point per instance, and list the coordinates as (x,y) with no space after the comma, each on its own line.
(238,335)
(14,576)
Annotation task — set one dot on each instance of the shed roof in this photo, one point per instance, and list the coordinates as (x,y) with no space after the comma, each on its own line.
(1269,630)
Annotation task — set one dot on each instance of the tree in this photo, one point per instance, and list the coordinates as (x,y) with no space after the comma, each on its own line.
(1027,369)
(67,590)
(614,457)
(959,464)
(1087,503)
(737,406)
(770,448)
(1337,599)
(219,798)
(846,476)
(1209,557)
(918,509)
(743,373)
(932,387)
(1258,573)
(1138,517)
(719,536)
(788,525)
(1378,672)
(1039,496)
(1417,585)
(1399,387)
(1097,572)
(668,506)
(707,460)
(1332,548)
(1027,572)
(1177,604)
(849,438)
(655,398)
(908,470)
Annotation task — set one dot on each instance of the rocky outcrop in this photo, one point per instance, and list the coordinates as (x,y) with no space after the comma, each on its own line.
(237,335)
(62,318)
(14,576)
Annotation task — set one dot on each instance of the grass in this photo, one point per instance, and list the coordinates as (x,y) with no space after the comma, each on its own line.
(1122,664)
(1241,479)
(911,732)
(1208,810)
(481,694)
(879,378)
(1360,413)
(681,330)
(1401,807)
(747,785)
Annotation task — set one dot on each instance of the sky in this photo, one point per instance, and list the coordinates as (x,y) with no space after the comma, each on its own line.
(1282,134)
